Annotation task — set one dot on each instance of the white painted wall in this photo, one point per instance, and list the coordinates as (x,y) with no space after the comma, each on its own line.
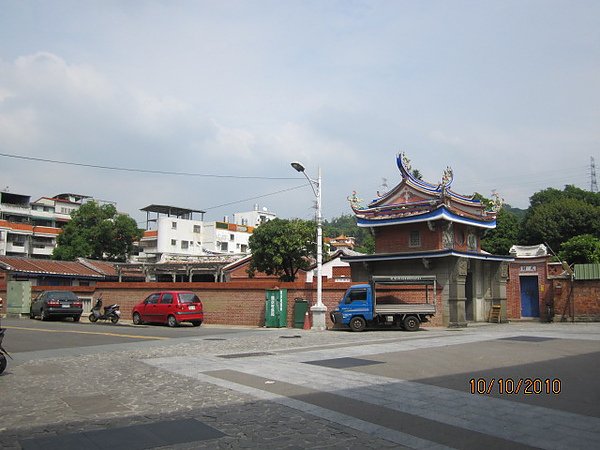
(179,236)
(326,270)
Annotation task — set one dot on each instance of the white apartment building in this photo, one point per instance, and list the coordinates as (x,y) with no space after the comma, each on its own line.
(29,229)
(172,233)
(254,218)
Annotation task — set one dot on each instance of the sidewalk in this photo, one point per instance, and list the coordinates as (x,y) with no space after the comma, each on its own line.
(289,388)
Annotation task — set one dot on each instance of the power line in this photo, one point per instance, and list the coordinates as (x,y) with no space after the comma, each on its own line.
(251,198)
(154,172)
(257,197)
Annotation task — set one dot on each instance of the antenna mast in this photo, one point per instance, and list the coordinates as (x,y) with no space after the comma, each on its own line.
(594,181)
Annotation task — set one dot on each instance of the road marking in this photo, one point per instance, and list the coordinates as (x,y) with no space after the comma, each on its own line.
(133,336)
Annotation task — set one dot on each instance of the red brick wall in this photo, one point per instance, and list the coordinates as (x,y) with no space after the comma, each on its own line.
(241,273)
(341,271)
(394,239)
(555,269)
(234,303)
(585,299)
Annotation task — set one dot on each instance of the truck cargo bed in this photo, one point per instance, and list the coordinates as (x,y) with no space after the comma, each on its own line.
(416,308)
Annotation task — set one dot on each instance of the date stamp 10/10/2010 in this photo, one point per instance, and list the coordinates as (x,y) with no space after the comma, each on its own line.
(515,386)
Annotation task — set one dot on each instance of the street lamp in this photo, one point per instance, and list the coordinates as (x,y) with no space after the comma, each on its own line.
(319,309)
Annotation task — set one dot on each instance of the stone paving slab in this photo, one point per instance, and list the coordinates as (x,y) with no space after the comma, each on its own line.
(36,401)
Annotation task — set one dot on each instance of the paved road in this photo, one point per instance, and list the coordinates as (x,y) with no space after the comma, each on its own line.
(261,388)
(25,335)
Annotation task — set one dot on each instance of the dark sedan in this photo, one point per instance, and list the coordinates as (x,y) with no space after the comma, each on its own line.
(56,304)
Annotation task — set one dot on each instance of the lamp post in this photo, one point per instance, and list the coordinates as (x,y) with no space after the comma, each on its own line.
(318,310)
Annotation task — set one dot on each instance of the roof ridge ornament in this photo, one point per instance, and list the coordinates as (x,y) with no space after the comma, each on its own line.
(406,162)
(355,202)
(447,177)
(497,202)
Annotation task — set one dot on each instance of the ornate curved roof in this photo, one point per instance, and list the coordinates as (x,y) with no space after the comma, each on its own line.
(414,200)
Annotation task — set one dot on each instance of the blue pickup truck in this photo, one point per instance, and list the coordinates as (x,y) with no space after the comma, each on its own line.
(384,302)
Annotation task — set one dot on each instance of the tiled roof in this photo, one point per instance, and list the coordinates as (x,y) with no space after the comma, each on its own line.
(110,269)
(47,267)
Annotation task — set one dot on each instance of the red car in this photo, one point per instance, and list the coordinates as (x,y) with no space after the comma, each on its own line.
(170,307)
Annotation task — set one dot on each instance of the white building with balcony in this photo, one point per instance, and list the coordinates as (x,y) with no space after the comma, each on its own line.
(173,233)
(30,229)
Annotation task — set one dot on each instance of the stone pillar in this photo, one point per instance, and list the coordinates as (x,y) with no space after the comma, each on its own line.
(456,291)
(499,279)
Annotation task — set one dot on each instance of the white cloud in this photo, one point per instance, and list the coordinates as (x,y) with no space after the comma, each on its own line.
(245,88)
(444,138)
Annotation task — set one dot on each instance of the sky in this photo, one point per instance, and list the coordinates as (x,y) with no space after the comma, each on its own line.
(506,93)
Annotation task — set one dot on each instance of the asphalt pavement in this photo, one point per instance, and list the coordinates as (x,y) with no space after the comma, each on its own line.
(519,385)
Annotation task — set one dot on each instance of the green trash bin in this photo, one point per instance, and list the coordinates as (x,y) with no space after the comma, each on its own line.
(300,308)
(276,308)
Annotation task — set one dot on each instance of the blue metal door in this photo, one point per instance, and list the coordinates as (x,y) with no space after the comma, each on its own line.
(530,304)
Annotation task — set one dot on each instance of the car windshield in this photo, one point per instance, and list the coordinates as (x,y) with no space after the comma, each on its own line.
(61,295)
(188,298)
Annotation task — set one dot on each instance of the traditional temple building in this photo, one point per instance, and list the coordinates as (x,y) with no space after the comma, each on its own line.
(427,229)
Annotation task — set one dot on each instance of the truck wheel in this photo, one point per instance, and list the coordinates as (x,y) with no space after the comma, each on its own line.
(358,324)
(411,323)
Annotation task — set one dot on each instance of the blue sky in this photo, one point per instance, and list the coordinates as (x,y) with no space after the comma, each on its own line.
(507,93)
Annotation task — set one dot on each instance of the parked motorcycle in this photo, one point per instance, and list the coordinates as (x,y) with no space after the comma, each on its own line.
(3,353)
(111,312)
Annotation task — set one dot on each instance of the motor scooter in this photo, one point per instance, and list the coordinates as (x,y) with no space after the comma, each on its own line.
(3,353)
(111,312)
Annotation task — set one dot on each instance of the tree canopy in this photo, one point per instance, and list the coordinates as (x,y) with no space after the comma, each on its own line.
(557,216)
(282,247)
(581,249)
(499,240)
(98,232)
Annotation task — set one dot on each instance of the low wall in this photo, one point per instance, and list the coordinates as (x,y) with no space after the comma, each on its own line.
(233,303)
(581,305)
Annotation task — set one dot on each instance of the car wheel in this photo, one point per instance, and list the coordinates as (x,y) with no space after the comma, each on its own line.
(196,323)
(44,314)
(137,319)
(358,324)
(411,323)
(76,318)
(92,318)
(114,319)
(31,315)
(172,321)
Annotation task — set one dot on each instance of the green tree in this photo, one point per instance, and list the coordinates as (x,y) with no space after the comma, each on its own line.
(581,250)
(98,232)
(499,240)
(556,218)
(550,195)
(282,247)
